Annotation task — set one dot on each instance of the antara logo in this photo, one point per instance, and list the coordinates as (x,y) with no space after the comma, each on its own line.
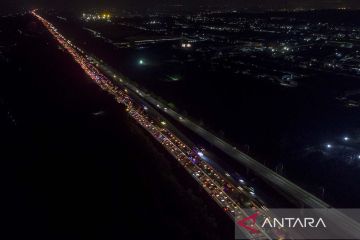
(249,223)
(293,222)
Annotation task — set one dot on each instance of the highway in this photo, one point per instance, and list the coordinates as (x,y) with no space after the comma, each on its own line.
(232,199)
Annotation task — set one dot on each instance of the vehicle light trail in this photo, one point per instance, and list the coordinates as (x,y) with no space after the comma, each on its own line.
(217,186)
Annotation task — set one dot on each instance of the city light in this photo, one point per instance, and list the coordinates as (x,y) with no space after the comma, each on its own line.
(96,16)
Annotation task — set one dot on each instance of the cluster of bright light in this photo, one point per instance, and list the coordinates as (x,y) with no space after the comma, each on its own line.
(186,45)
(94,17)
(286,48)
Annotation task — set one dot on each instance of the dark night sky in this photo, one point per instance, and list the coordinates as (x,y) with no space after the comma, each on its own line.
(6,5)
